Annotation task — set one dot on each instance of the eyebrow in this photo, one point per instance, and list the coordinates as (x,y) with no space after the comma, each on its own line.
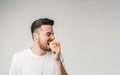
(51,32)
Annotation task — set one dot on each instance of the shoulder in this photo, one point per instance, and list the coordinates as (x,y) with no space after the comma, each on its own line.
(20,55)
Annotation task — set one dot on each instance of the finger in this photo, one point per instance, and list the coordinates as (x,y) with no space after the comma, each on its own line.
(58,44)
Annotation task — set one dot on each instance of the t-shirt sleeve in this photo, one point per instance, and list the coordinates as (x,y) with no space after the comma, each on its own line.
(14,70)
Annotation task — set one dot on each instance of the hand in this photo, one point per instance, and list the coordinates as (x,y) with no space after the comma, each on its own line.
(55,48)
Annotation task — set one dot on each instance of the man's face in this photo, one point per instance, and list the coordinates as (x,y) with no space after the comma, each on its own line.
(46,35)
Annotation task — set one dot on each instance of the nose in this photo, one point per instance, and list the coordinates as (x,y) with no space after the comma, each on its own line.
(52,37)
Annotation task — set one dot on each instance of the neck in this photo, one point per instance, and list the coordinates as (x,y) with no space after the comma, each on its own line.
(37,50)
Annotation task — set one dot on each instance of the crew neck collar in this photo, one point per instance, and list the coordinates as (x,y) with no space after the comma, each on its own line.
(35,55)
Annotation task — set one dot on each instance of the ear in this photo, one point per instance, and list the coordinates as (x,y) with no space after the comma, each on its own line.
(35,36)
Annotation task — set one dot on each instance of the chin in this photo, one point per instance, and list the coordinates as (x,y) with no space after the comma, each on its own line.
(47,49)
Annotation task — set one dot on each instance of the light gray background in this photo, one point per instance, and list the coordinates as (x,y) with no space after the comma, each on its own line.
(89,32)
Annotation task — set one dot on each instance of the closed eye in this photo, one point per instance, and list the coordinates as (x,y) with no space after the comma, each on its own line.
(49,33)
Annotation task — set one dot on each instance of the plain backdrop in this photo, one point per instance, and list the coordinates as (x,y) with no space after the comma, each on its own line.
(89,32)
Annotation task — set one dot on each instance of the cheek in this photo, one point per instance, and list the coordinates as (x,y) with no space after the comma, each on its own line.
(44,39)
(41,39)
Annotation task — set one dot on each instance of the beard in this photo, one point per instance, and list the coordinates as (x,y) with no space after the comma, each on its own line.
(44,46)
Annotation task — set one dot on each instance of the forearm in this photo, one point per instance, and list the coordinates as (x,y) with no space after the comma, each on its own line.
(60,68)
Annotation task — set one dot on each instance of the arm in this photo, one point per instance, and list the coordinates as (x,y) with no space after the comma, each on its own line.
(55,47)
(61,70)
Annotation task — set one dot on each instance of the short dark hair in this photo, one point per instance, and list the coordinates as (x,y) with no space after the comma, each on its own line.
(42,21)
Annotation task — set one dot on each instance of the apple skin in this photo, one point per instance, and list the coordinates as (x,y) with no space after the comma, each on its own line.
(52,44)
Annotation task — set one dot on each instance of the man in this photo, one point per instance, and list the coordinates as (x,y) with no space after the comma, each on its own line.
(44,58)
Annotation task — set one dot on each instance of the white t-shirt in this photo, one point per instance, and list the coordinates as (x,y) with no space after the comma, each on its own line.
(27,63)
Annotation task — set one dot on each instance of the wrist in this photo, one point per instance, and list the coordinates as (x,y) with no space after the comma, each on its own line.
(57,59)
(58,62)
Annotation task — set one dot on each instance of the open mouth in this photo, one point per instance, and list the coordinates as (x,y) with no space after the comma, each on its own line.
(48,43)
